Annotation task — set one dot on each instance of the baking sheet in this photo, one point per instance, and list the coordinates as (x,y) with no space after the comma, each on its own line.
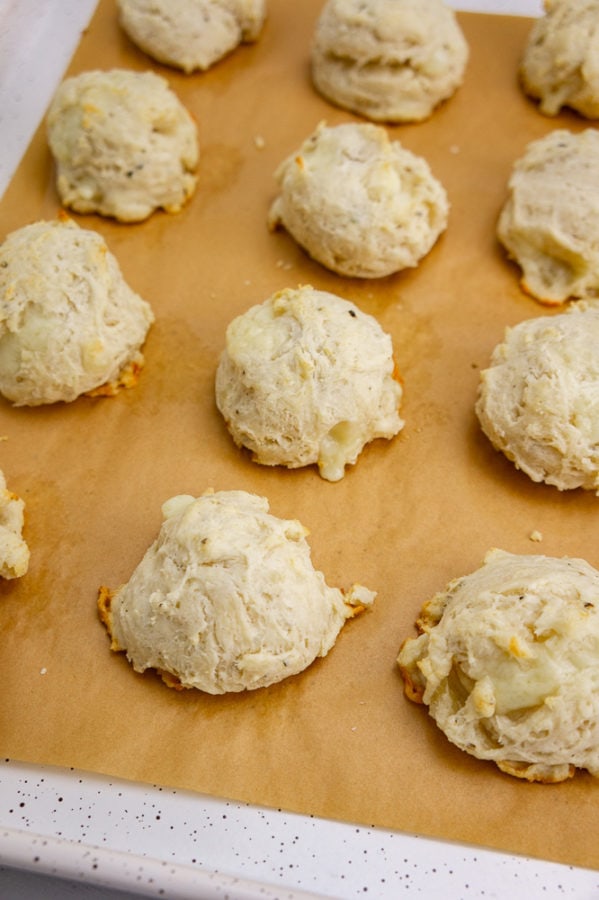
(340,740)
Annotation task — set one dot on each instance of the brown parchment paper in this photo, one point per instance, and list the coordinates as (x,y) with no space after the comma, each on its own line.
(339,740)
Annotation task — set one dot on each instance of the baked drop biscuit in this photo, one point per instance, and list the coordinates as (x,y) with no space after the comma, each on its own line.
(226,599)
(507,662)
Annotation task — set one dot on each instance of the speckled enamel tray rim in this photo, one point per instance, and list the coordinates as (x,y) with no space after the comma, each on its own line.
(127,871)
(156,841)
(49,34)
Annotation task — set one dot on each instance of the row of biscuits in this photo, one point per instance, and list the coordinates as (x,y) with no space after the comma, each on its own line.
(580,760)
